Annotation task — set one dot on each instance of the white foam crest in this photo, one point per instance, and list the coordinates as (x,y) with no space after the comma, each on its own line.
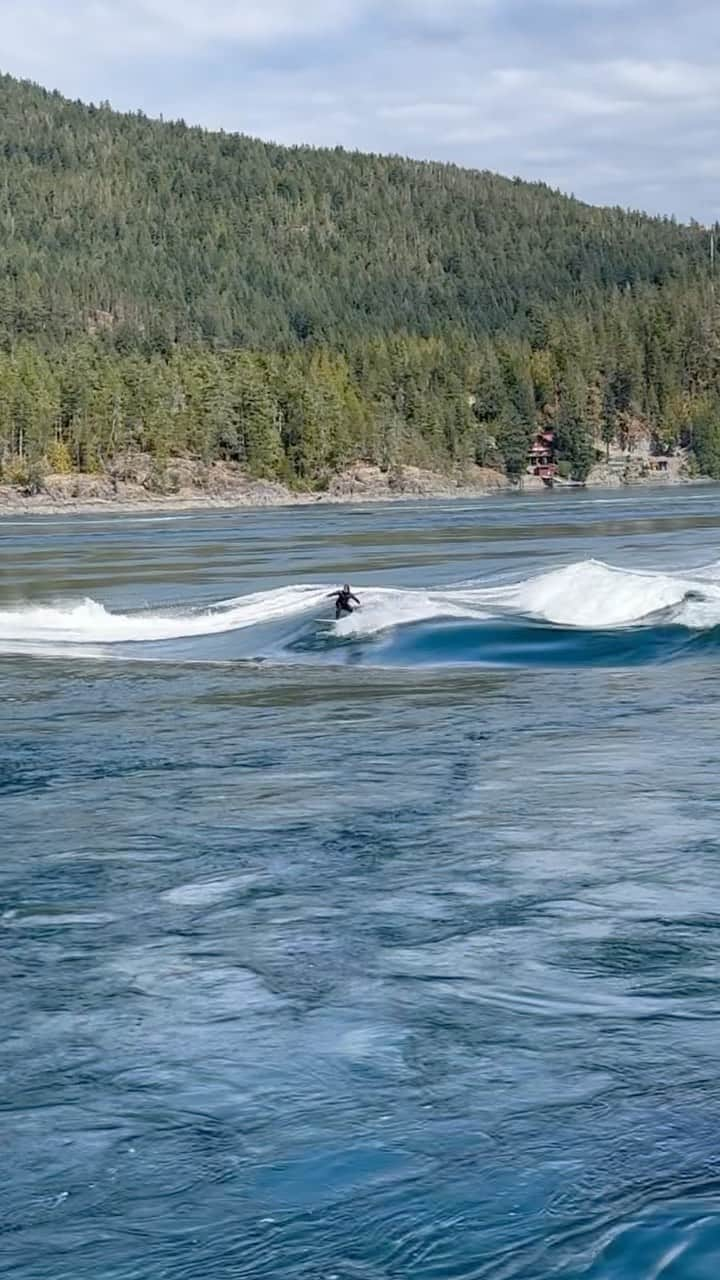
(706,573)
(587,594)
(384,608)
(89,622)
(207,893)
(596,595)
(698,615)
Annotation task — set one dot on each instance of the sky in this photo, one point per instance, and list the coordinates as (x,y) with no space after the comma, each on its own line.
(615,101)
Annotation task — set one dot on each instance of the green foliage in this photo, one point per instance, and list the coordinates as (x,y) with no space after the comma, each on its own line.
(574,441)
(302,416)
(513,438)
(177,292)
(704,422)
(149,234)
(59,458)
(35,482)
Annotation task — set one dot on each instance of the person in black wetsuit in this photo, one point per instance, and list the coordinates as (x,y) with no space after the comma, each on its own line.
(342,601)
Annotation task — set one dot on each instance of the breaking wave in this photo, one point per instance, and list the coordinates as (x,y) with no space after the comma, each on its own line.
(587,611)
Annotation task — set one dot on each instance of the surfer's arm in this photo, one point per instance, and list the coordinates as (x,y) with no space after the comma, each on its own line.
(333,595)
(355,599)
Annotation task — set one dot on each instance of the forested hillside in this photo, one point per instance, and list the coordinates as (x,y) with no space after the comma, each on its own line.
(171,290)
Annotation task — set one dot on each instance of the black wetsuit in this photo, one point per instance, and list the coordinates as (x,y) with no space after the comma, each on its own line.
(342,602)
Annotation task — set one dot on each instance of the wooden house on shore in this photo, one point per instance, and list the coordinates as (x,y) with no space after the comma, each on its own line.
(541,461)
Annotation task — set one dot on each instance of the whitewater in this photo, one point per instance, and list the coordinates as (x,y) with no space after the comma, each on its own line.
(588,595)
(384,947)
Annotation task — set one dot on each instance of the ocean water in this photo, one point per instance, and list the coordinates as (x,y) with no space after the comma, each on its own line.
(376,950)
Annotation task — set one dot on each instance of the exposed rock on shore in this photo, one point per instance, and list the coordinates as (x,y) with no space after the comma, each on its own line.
(138,483)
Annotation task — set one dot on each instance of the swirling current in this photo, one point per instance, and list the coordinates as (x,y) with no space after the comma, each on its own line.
(369,949)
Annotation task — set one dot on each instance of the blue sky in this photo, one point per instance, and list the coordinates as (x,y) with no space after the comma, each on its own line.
(617,101)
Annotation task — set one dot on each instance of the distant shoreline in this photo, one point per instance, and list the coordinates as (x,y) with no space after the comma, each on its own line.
(225,486)
(413,486)
(153,504)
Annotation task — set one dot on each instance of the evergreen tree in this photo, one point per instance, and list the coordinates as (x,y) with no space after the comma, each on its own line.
(293,310)
(572,434)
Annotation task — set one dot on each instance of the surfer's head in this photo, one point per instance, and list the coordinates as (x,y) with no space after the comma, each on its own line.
(346,587)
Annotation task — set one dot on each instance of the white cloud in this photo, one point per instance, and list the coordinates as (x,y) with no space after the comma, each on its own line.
(162,26)
(422,113)
(434,9)
(241,21)
(666,81)
(615,101)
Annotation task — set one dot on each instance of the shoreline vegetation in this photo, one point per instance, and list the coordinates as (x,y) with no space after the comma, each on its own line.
(187,484)
(190,487)
(192,317)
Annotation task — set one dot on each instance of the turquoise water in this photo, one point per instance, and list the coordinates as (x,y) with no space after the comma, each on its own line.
(380,950)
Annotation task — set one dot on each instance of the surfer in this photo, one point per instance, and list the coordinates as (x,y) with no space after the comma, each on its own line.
(342,601)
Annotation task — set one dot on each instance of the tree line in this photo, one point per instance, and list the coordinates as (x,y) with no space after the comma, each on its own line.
(175,291)
(164,235)
(648,361)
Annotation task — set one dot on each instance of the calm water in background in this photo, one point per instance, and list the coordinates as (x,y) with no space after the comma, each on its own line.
(384,950)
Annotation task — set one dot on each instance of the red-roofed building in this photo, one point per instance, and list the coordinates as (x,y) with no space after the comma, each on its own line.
(541,461)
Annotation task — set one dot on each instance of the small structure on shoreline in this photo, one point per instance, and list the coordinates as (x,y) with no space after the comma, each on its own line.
(541,462)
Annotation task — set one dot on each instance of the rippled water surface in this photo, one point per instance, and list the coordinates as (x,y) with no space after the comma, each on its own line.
(375,950)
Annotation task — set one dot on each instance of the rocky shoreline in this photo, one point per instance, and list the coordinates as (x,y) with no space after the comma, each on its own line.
(187,486)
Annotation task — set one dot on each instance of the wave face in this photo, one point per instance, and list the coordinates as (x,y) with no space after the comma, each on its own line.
(395,955)
(586,612)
